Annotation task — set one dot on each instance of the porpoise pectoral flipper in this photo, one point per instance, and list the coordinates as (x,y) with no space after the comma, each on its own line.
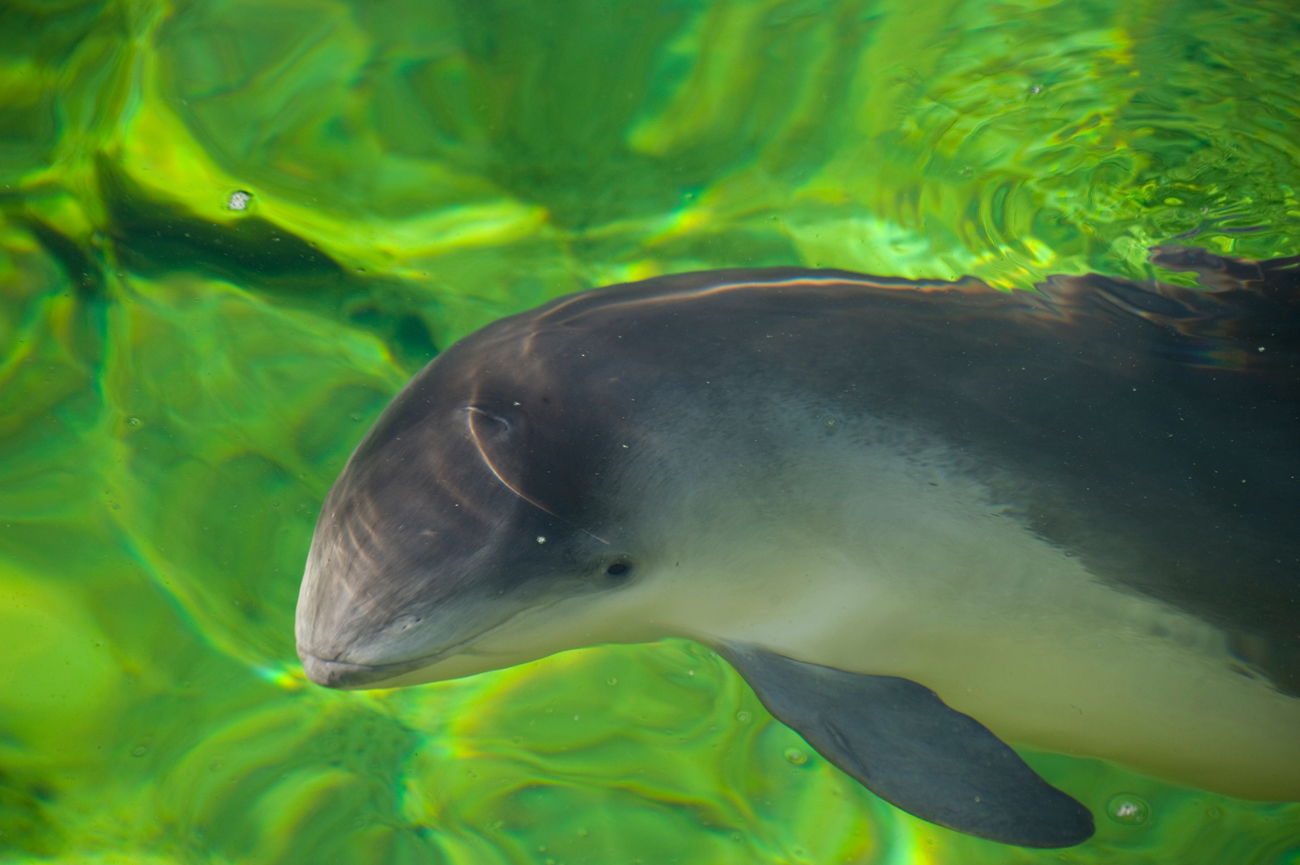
(908,747)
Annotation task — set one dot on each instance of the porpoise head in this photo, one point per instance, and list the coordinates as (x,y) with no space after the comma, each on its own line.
(484,496)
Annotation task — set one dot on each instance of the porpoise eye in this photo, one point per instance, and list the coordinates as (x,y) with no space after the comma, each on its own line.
(618,570)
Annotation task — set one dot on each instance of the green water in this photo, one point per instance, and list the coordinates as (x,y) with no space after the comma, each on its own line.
(180,382)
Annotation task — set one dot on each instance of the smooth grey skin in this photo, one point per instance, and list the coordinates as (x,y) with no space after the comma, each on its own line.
(1071,514)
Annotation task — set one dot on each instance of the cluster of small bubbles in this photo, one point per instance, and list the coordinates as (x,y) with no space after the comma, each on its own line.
(1128,809)
(239,200)
(795,757)
(743,717)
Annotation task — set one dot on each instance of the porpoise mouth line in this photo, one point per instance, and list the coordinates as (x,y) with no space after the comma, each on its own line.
(399,667)
(371,672)
(346,675)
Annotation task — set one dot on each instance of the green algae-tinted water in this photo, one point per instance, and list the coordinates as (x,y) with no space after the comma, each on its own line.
(180,382)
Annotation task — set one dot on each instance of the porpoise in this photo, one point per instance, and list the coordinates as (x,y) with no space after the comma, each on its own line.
(922,519)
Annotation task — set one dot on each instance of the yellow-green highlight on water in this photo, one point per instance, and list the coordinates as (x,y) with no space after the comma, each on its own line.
(180,382)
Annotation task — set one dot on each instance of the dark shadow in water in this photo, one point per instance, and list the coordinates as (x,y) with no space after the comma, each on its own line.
(154,238)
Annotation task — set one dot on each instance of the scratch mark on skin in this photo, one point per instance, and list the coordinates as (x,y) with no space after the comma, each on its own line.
(470,413)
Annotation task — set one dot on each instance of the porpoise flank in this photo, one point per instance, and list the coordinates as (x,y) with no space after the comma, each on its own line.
(921,519)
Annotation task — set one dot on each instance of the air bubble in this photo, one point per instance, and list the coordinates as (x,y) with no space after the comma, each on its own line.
(795,757)
(743,717)
(1128,809)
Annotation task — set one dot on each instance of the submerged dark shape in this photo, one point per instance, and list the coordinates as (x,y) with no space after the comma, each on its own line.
(921,518)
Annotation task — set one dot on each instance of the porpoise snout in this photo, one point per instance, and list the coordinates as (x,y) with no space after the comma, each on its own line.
(331,674)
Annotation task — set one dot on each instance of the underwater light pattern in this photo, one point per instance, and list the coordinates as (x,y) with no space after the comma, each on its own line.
(230,232)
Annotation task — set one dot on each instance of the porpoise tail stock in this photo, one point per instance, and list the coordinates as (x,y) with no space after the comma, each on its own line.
(920,518)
